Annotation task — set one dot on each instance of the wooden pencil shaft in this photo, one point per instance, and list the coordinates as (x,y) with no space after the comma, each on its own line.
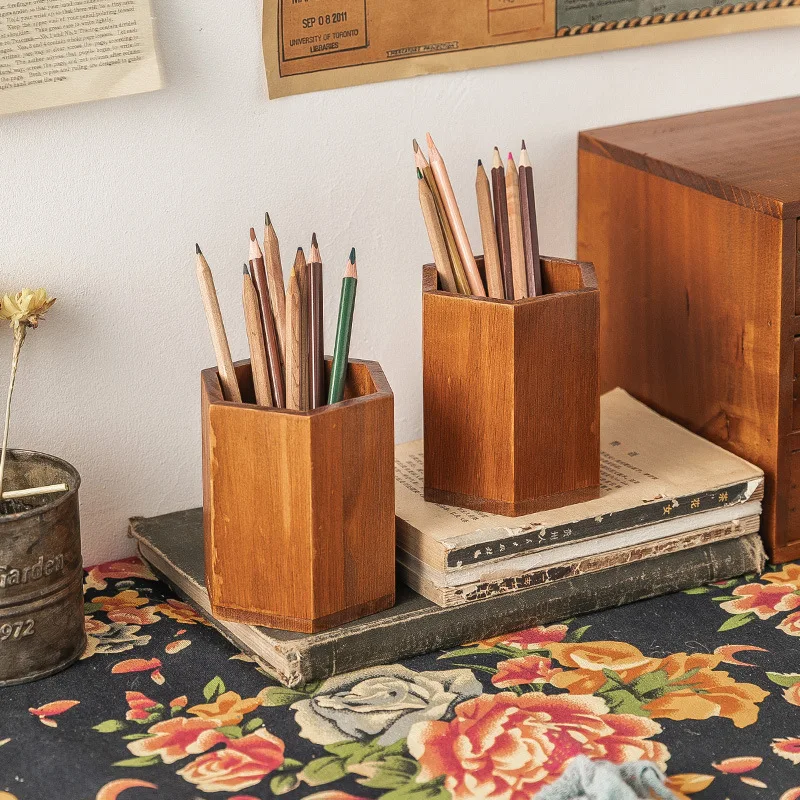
(460,276)
(227,374)
(316,343)
(456,222)
(277,294)
(515,232)
(501,224)
(274,360)
(255,338)
(530,232)
(293,345)
(436,236)
(301,268)
(341,351)
(491,253)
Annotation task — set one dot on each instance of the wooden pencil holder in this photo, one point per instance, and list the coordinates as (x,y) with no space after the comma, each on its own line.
(511,394)
(298,507)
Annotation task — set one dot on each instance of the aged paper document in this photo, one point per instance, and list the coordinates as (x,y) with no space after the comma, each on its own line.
(55,52)
(310,45)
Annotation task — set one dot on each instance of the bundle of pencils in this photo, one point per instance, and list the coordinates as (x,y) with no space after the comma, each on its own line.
(284,327)
(507,211)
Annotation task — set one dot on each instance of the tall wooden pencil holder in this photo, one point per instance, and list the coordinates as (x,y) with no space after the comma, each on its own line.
(512,394)
(299,506)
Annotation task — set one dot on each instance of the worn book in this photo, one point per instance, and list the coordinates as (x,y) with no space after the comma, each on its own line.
(479,583)
(652,470)
(173,546)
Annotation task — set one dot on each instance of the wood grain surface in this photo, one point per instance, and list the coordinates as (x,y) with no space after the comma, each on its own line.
(511,394)
(299,506)
(698,280)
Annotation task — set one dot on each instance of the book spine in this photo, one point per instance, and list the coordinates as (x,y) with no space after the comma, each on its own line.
(526,540)
(425,631)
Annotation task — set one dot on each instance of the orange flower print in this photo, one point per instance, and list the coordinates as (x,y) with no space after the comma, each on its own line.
(763,601)
(139,705)
(792,694)
(48,710)
(790,624)
(508,747)
(518,671)
(94,627)
(687,783)
(242,763)
(536,638)
(787,748)
(176,738)
(126,599)
(118,570)
(738,766)
(690,687)
(181,612)
(179,702)
(790,575)
(113,789)
(134,616)
(140,665)
(791,794)
(227,709)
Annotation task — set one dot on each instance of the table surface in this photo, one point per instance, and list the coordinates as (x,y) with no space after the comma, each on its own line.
(701,682)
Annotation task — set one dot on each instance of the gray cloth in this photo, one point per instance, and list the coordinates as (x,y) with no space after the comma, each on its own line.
(601,780)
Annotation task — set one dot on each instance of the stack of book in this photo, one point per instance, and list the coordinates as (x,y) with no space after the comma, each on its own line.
(664,490)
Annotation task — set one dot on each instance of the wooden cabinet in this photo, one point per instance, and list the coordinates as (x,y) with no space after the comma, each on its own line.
(692,225)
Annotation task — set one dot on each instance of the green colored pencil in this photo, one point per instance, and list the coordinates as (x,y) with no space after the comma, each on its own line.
(341,350)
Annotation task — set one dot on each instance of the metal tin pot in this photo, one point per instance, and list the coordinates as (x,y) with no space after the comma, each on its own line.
(41,572)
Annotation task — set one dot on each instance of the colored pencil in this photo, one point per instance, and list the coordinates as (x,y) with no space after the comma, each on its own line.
(277,294)
(293,343)
(436,236)
(316,357)
(530,233)
(452,250)
(341,351)
(501,223)
(515,230)
(301,268)
(227,374)
(456,222)
(255,338)
(259,272)
(491,253)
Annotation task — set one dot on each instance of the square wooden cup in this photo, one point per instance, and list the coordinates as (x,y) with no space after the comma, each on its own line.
(512,394)
(298,507)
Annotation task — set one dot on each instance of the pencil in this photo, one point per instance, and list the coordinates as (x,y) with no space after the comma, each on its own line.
(316,361)
(301,268)
(255,338)
(292,359)
(341,350)
(227,374)
(530,233)
(501,223)
(436,236)
(515,230)
(259,273)
(452,251)
(456,222)
(277,295)
(491,254)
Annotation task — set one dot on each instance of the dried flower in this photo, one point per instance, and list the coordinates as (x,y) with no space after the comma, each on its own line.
(25,308)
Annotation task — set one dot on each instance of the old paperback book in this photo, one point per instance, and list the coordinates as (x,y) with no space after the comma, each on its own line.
(652,471)
(173,546)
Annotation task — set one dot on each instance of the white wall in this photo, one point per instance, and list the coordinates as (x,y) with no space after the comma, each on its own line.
(102,203)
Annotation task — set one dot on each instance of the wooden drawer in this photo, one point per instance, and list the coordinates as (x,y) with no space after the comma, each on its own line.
(793,532)
(797,268)
(796,386)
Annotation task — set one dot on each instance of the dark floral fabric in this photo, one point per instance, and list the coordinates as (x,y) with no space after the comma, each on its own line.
(705,683)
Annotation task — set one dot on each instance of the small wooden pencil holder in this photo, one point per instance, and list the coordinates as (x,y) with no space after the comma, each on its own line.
(298,507)
(512,394)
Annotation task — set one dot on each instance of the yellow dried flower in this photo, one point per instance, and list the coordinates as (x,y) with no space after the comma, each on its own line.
(25,308)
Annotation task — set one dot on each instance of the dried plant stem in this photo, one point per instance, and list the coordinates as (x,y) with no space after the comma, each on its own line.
(19,338)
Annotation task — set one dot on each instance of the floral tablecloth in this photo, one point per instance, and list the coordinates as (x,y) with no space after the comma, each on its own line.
(706,683)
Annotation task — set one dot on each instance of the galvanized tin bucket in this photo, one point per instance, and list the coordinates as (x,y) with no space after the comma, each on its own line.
(41,573)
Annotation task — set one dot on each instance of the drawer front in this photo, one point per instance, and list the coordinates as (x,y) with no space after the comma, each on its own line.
(797,269)
(793,534)
(796,386)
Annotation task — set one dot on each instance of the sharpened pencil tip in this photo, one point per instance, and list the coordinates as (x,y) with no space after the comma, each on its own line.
(510,156)
(267,220)
(419,173)
(197,249)
(246,271)
(523,145)
(314,240)
(480,162)
(416,145)
(353,256)
(429,139)
(252,235)
(299,249)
